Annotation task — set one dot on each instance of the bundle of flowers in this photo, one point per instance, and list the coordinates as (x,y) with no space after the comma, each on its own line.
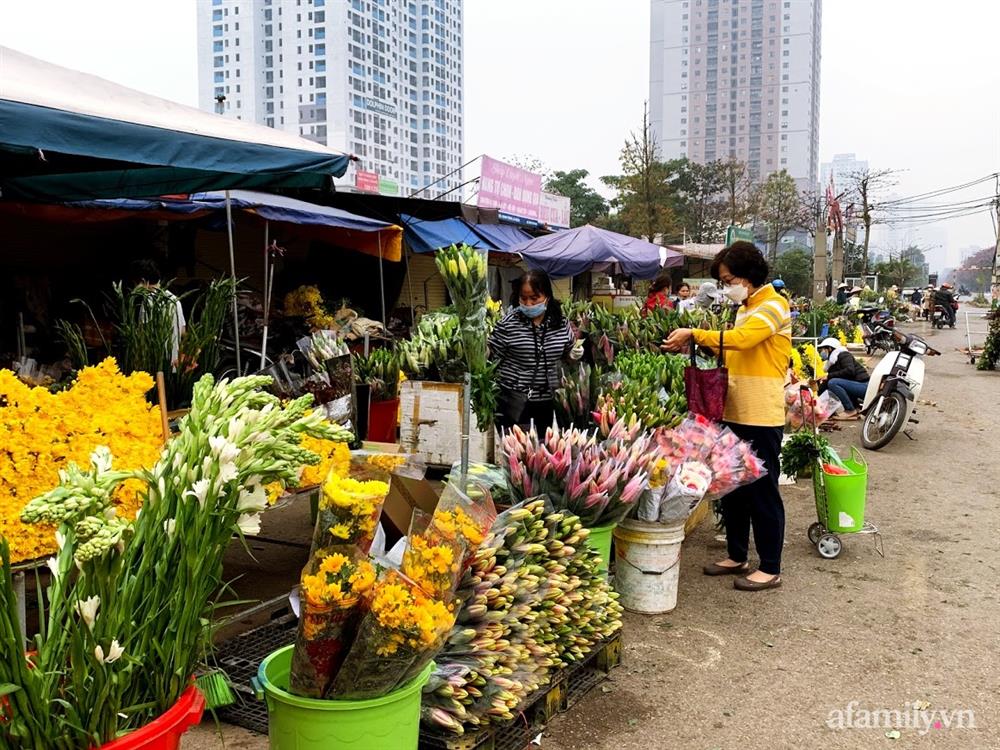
(803,408)
(307,302)
(331,589)
(126,614)
(533,601)
(41,433)
(349,510)
(598,480)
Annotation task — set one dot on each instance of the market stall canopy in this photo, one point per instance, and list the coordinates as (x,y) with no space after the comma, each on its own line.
(705,252)
(371,236)
(67,135)
(575,251)
(430,236)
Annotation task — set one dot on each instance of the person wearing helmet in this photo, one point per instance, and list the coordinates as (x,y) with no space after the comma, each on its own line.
(845,377)
(945,297)
(779,287)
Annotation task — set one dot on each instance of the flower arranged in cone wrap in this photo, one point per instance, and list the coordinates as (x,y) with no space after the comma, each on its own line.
(598,480)
(142,589)
(331,590)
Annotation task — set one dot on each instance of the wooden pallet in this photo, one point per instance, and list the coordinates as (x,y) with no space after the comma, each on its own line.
(566,689)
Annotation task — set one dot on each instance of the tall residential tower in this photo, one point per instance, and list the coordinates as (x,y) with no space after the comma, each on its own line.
(738,78)
(380,79)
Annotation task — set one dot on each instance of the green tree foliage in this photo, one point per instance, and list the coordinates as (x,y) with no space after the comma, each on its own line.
(780,209)
(586,204)
(795,268)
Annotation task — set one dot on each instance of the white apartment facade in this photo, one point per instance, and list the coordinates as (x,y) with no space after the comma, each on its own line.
(738,78)
(842,167)
(380,79)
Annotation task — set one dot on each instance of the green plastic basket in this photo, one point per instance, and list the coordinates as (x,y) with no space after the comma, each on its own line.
(391,722)
(842,497)
(599,540)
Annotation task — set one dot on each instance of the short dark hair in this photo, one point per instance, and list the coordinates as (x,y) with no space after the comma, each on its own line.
(682,285)
(662,281)
(144,270)
(744,261)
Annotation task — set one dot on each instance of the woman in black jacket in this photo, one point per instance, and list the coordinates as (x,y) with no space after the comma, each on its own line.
(846,378)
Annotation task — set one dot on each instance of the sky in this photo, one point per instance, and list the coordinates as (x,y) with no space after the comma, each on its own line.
(903,84)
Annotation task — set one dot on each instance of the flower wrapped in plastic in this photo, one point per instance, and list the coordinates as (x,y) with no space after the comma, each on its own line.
(487,476)
(331,589)
(464,518)
(733,464)
(432,560)
(402,631)
(692,440)
(803,408)
(348,511)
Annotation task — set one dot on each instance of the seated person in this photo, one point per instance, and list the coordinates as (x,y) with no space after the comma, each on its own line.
(845,378)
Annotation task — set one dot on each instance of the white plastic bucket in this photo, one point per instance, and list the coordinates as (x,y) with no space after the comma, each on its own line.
(648,559)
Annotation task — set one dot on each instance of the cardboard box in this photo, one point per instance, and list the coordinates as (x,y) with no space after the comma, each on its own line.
(405,494)
(431,425)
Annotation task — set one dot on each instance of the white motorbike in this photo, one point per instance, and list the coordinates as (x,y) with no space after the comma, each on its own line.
(893,390)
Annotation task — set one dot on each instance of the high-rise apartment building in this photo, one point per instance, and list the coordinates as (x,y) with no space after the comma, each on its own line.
(380,79)
(738,78)
(842,168)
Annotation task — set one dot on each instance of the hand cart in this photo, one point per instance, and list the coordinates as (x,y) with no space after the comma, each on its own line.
(974,350)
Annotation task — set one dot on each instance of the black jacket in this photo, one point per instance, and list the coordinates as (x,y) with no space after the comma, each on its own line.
(847,368)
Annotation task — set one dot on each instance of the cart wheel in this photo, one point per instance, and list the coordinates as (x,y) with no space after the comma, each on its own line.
(815,532)
(829,546)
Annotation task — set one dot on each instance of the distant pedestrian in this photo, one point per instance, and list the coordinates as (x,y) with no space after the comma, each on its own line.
(659,294)
(842,294)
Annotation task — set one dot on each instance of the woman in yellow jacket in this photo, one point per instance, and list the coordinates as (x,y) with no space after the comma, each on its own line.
(757,351)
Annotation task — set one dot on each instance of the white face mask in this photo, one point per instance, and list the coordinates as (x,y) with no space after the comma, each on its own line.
(736,292)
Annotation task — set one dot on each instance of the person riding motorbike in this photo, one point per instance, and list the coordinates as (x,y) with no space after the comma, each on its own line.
(945,297)
(845,378)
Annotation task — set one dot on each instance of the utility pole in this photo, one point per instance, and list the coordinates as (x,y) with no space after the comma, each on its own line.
(995,282)
(819,257)
(837,271)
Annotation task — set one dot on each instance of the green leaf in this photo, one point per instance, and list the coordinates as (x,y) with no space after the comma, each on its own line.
(7,688)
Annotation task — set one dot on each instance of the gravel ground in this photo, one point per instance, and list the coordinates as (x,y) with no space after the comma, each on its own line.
(728,669)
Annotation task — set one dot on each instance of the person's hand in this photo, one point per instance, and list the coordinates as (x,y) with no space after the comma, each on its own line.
(677,341)
(576,352)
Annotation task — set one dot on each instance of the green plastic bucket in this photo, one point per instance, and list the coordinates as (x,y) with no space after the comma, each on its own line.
(845,496)
(391,722)
(599,540)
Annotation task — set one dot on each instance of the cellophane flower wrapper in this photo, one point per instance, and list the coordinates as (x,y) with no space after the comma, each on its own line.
(331,590)
(348,511)
(684,491)
(804,409)
(489,476)
(433,560)
(402,629)
(691,440)
(465,517)
(733,464)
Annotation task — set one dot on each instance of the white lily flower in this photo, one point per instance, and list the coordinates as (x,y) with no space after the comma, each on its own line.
(249,524)
(252,500)
(53,566)
(168,527)
(227,472)
(99,653)
(199,491)
(60,539)
(87,609)
(224,450)
(101,458)
(115,652)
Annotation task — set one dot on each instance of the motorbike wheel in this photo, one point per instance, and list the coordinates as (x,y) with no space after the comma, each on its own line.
(882,424)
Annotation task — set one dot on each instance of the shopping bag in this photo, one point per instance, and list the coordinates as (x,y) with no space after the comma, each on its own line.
(706,389)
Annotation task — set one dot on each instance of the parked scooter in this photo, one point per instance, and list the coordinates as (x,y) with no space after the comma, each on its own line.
(877,329)
(893,391)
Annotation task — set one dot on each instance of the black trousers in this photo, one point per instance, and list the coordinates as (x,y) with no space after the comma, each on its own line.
(537,412)
(757,505)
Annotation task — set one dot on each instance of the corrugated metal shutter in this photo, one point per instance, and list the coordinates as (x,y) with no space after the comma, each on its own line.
(563,288)
(426,283)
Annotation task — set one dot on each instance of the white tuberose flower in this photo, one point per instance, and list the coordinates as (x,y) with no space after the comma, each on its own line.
(249,524)
(101,458)
(200,491)
(225,451)
(115,652)
(87,609)
(61,539)
(53,566)
(168,527)
(252,500)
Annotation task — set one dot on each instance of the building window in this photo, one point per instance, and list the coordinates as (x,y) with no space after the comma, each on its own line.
(216,31)
(216,15)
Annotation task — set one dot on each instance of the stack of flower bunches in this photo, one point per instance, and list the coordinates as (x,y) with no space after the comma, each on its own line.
(533,602)
(651,389)
(434,349)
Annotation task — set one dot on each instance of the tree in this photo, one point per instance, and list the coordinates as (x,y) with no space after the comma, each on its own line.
(529,163)
(897,269)
(865,189)
(780,208)
(644,194)
(795,268)
(586,204)
(739,192)
(698,199)
(975,271)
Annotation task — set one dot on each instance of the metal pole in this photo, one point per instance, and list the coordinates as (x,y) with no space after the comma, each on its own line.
(466,426)
(232,271)
(819,260)
(381,280)
(409,287)
(267,292)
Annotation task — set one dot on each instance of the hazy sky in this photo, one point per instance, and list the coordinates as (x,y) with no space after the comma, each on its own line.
(905,84)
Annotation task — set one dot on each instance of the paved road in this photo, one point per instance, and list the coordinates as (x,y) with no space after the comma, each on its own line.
(731,670)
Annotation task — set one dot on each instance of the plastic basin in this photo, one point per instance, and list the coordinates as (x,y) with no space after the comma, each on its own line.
(391,722)
(165,732)
(599,540)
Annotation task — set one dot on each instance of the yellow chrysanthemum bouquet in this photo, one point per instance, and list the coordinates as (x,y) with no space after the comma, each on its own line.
(331,590)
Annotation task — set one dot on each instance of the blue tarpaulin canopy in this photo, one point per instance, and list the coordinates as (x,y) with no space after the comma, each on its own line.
(575,251)
(429,236)
(66,135)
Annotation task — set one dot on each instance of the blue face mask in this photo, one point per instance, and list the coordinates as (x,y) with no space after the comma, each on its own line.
(532,311)
(824,355)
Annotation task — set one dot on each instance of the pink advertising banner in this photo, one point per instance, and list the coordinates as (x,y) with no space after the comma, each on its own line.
(554,210)
(509,189)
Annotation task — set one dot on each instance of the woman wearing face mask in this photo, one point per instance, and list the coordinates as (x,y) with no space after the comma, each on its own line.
(757,350)
(846,378)
(529,344)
